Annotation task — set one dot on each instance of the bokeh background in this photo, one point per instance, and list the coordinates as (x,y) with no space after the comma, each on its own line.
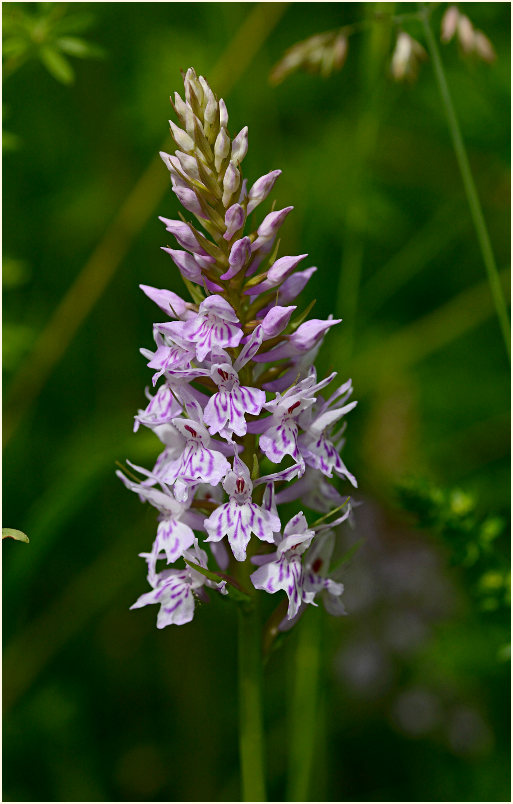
(411,698)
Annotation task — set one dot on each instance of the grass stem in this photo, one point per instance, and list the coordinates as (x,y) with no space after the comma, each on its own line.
(468,181)
(251,732)
(304,726)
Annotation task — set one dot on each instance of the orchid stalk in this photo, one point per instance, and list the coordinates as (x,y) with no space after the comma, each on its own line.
(245,423)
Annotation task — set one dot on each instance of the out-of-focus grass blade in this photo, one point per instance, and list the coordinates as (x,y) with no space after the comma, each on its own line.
(412,258)
(427,334)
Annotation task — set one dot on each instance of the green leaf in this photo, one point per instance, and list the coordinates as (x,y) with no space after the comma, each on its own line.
(297,323)
(348,555)
(57,65)
(74,46)
(196,294)
(12,533)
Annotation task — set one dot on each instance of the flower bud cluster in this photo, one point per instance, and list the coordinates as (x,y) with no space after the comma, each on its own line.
(472,41)
(238,407)
(406,58)
(322,53)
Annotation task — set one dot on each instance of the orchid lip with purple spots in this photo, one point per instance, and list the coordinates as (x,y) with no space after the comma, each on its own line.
(240,517)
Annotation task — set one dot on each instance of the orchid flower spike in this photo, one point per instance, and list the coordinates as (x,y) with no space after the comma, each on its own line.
(236,388)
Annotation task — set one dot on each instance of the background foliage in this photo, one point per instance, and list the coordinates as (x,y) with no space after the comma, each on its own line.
(412,700)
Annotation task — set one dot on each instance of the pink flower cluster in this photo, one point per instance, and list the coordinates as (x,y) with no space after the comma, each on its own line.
(238,395)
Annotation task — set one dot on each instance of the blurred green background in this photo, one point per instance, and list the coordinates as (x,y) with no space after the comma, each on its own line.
(413,699)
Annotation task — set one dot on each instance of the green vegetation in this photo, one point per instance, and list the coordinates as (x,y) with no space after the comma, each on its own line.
(410,690)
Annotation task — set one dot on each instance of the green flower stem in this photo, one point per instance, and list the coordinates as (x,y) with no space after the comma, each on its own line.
(251,732)
(304,726)
(468,181)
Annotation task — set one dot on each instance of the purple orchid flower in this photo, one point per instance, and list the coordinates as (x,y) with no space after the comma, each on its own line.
(197,463)
(225,411)
(215,325)
(175,590)
(240,517)
(162,408)
(281,437)
(283,569)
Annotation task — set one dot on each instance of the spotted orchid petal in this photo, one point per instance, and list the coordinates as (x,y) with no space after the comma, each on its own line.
(161,409)
(225,411)
(240,517)
(215,325)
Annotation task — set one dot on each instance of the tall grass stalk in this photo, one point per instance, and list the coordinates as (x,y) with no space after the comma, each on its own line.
(304,723)
(468,181)
(251,731)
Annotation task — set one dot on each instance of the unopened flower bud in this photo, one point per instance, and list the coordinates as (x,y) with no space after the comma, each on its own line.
(190,201)
(189,165)
(484,48)
(406,58)
(183,234)
(466,34)
(276,320)
(282,268)
(276,274)
(168,159)
(239,255)
(234,220)
(177,177)
(339,51)
(261,189)
(186,264)
(221,147)
(210,112)
(449,23)
(204,262)
(182,139)
(180,107)
(168,301)
(223,114)
(193,90)
(231,183)
(209,102)
(240,146)
(272,222)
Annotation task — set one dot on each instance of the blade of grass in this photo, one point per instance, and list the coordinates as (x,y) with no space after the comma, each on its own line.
(415,255)
(468,180)
(106,258)
(426,335)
